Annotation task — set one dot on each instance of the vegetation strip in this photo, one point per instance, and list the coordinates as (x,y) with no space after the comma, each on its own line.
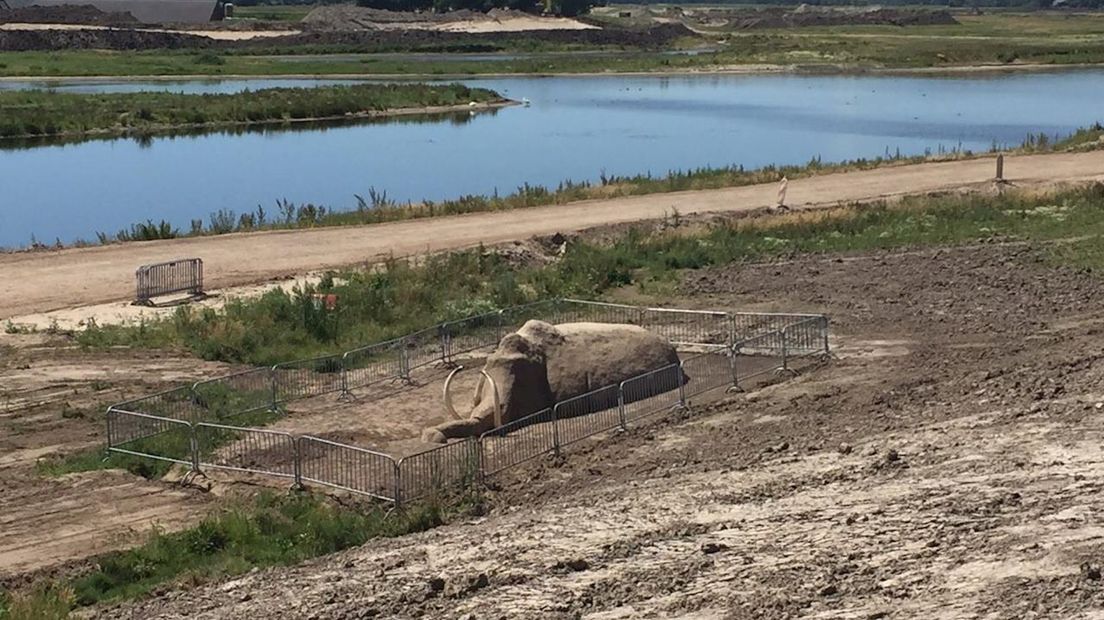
(267,530)
(401,296)
(26,114)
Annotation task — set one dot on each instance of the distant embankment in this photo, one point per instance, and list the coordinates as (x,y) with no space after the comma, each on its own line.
(35,114)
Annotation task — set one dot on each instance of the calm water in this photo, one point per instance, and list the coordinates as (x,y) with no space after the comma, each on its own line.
(575,129)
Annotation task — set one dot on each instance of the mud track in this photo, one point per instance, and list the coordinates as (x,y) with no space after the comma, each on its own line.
(946,465)
(45,281)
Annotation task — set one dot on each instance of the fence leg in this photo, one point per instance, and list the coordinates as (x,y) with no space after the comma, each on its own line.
(556,430)
(194,443)
(785,361)
(731,330)
(621,407)
(274,406)
(398,484)
(446,347)
(297,464)
(733,352)
(824,332)
(404,362)
(682,388)
(346,392)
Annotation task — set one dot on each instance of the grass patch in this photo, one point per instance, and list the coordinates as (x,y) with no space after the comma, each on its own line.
(41,602)
(377,208)
(36,113)
(401,296)
(266,530)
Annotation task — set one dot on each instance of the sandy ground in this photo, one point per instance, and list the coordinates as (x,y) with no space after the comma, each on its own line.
(38,282)
(222,35)
(945,465)
(515,24)
(52,398)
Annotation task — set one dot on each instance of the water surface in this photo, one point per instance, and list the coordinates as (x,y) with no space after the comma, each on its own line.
(576,128)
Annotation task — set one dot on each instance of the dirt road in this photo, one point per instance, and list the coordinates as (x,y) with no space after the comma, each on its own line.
(40,282)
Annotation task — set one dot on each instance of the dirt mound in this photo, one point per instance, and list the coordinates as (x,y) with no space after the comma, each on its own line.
(70,14)
(342,18)
(361,41)
(806,17)
(38,40)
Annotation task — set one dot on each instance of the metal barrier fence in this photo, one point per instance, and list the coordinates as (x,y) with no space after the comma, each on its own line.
(235,394)
(252,450)
(519,441)
(187,425)
(350,468)
(183,275)
(306,378)
(595,412)
(150,436)
(453,465)
(373,364)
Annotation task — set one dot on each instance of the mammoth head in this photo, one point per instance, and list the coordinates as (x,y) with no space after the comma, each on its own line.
(512,384)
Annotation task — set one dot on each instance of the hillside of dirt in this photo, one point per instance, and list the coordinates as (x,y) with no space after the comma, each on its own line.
(347,17)
(945,465)
(809,17)
(73,14)
(365,40)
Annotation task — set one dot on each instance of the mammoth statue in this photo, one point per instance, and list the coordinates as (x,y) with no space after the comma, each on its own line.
(543,364)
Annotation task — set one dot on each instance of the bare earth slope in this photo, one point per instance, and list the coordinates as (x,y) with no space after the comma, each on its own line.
(39,282)
(947,465)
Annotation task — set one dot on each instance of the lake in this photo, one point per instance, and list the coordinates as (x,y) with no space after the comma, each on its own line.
(576,128)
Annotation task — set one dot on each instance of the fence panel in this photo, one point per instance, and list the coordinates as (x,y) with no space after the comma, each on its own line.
(472,334)
(708,371)
(425,348)
(549,311)
(750,324)
(140,434)
(760,355)
(236,394)
(178,404)
(655,392)
(183,275)
(577,310)
(307,378)
(347,467)
(589,414)
(687,327)
(808,337)
(517,442)
(246,449)
(372,364)
(453,465)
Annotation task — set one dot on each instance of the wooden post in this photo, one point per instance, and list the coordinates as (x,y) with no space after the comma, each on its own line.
(1000,168)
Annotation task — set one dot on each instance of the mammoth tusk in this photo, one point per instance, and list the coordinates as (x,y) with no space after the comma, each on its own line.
(448,394)
(497,407)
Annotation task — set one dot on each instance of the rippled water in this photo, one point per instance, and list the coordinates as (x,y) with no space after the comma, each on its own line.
(576,128)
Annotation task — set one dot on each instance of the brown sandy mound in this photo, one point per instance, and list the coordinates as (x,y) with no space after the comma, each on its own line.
(71,14)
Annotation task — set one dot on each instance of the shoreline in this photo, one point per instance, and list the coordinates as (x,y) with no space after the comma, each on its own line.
(750,70)
(44,281)
(157,130)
